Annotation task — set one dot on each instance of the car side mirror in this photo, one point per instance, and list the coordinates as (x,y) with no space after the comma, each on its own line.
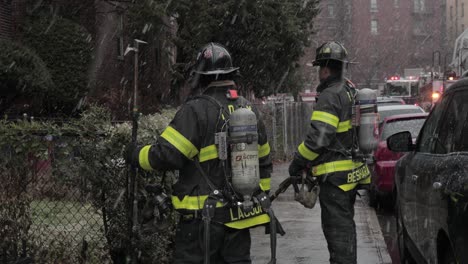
(401,142)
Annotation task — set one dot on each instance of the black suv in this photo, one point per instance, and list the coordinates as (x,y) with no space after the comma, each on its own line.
(431,184)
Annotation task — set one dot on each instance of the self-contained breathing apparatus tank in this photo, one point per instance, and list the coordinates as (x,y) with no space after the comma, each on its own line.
(243,138)
(365,119)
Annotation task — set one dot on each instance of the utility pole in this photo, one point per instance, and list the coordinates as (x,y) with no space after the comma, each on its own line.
(132,254)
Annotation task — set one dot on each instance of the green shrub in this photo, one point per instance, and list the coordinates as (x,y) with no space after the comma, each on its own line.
(66,48)
(22,74)
(78,210)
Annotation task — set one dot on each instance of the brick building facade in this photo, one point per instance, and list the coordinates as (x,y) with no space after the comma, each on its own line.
(383,36)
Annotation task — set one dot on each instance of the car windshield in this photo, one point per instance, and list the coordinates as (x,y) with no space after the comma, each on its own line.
(411,125)
(387,113)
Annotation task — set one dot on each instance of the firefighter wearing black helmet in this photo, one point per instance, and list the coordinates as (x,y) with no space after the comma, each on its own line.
(188,144)
(327,152)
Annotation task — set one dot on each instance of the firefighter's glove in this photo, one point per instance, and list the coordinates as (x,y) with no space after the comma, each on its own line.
(131,154)
(296,169)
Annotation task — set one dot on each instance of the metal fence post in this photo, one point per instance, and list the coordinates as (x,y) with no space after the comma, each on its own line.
(285,130)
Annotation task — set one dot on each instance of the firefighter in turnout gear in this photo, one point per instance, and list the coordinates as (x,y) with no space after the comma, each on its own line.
(213,227)
(328,152)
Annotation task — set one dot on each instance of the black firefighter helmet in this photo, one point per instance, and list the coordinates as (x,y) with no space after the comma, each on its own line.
(330,51)
(213,59)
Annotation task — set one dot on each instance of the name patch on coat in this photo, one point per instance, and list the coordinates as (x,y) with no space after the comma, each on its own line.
(359,174)
(237,213)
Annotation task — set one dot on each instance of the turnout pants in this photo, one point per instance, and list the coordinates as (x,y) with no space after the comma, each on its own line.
(338,224)
(227,245)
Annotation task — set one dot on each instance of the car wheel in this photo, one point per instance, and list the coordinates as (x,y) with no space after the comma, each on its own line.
(405,256)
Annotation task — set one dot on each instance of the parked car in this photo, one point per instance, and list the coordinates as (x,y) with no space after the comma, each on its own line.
(388,100)
(383,169)
(389,110)
(431,183)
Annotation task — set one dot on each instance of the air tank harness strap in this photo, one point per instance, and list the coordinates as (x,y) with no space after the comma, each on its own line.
(275,225)
(208,213)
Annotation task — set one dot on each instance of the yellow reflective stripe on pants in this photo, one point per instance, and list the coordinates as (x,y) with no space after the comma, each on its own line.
(325,117)
(249,222)
(191,202)
(208,153)
(344,126)
(335,166)
(263,150)
(180,142)
(306,152)
(143,158)
(265,184)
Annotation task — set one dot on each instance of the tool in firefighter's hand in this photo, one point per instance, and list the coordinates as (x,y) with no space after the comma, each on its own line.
(308,197)
(284,185)
(156,212)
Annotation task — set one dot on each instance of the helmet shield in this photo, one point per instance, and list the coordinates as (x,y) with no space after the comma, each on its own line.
(214,59)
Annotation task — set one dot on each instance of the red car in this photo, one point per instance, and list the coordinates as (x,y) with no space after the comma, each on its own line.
(381,188)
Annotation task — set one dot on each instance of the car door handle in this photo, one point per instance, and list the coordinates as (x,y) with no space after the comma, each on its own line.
(414,178)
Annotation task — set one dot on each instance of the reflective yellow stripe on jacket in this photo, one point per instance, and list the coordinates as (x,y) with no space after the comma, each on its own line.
(358,172)
(263,150)
(325,117)
(211,152)
(143,158)
(344,126)
(180,142)
(197,202)
(265,184)
(208,153)
(249,222)
(306,152)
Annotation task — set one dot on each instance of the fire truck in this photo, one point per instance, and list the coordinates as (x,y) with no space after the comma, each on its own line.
(423,89)
(406,88)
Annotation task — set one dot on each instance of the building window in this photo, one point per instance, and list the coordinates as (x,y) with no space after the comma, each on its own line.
(419,6)
(374,27)
(331,10)
(120,36)
(462,14)
(396,3)
(451,12)
(419,28)
(373,5)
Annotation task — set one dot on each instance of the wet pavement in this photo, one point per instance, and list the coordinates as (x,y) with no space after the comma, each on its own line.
(304,241)
(388,226)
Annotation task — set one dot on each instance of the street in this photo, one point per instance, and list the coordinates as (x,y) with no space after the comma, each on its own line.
(304,241)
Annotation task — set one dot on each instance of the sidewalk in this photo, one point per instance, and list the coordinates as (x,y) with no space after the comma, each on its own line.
(304,241)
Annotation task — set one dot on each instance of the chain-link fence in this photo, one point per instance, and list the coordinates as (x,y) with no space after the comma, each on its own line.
(54,213)
(287,124)
(65,196)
